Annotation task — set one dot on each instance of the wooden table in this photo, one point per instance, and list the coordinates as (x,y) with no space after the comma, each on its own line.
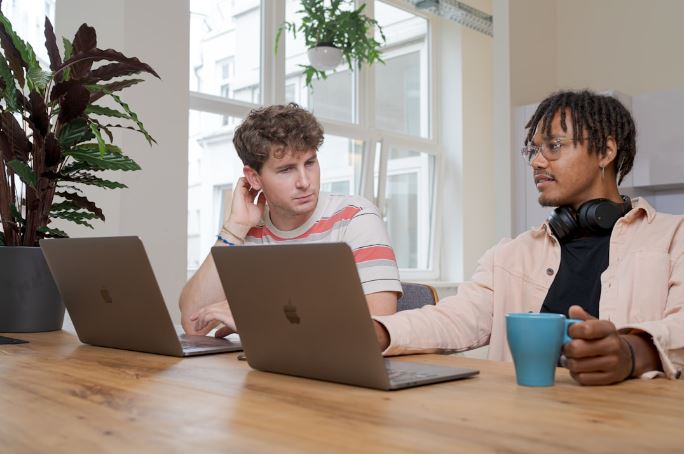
(57,395)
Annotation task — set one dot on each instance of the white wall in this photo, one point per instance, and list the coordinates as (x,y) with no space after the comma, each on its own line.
(630,46)
(633,46)
(154,206)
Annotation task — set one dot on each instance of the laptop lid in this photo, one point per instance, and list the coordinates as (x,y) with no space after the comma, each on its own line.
(111,293)
(300,310)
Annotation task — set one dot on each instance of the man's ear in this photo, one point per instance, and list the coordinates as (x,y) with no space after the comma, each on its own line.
(252,177)
(610,154)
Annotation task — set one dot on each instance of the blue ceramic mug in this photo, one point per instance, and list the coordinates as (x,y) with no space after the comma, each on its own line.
(536,340)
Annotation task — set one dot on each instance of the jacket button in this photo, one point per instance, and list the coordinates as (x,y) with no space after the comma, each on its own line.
(549,271)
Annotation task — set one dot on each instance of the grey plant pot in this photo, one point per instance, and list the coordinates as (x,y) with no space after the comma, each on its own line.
(29,298)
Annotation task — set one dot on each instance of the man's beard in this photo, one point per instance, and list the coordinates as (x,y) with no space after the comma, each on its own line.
(547,202)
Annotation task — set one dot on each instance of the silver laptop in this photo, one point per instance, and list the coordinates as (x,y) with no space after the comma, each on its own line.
(109,289)
(300,310)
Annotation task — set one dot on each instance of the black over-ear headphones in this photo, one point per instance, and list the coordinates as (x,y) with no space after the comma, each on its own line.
(593,216)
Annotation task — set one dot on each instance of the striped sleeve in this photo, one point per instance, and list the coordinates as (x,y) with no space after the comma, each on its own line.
(367,236)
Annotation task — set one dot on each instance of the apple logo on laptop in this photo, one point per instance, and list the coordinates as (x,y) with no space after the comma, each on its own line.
(106,296)
(291,312)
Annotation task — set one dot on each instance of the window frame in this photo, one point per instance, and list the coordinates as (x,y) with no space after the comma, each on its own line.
(272,83)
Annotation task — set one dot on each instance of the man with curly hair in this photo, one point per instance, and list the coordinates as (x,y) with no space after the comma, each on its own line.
(278,146)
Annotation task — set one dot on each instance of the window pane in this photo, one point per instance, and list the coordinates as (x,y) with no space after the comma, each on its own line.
(331,98)
(28,21)
(401,84)
(409,203)
(340,160)
(213,167)
(225,48)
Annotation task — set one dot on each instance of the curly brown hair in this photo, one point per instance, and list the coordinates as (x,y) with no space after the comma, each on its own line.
(274,131)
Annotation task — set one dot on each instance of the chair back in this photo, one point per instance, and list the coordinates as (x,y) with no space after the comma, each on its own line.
(416,296)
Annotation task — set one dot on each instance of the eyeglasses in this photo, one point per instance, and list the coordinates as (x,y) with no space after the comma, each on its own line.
(551,149)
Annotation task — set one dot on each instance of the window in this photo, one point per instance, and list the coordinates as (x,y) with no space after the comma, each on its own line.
(378,145)
(28,21)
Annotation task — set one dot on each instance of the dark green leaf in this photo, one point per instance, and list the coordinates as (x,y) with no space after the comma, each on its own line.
(68,52)
(38,79)
(94,55)
(39,113)
(52,233)
(16,136)
(53,152)
(133,116)
(78,217)
(12,54)
(108,161)
(105,111)
(101,145)
(109,147)
(24,171)
(9,93)
(74,103)
(97,93)
(51,45)
(74,132)
(16,214)
(61,185)
(92,180)
(28,56)
(80,202)
(84,41)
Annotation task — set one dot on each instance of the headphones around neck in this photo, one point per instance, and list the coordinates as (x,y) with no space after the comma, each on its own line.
(594,217)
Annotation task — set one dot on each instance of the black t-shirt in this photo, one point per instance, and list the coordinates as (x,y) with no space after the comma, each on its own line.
(578,280)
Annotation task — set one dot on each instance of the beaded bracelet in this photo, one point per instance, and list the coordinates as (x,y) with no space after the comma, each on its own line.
(220,238)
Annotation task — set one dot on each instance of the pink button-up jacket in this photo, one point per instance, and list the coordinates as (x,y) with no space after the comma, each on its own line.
(642,288)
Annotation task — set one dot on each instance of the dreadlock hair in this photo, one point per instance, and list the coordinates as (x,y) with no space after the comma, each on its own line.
(600,116)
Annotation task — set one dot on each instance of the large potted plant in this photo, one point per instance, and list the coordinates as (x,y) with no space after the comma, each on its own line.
(55,137)
(334,31)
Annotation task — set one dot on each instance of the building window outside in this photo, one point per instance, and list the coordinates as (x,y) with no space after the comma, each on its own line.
(389,158)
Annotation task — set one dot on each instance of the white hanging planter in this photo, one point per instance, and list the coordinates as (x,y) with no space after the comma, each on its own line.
(324,58)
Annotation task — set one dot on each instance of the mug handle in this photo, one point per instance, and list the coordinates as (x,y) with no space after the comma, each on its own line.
(568,322)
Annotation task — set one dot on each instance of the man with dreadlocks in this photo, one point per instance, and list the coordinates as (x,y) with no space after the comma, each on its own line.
(614,263)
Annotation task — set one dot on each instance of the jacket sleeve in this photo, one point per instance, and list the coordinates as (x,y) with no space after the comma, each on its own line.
(668,333)
(457,323)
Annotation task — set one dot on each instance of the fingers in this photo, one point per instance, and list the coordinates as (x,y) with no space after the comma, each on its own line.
(224,331)
(592,329)
(593,364)
(578,313)
(588,347)
(212,315)
(595,378)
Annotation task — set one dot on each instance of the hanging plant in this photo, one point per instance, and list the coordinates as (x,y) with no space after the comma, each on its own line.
(334,31)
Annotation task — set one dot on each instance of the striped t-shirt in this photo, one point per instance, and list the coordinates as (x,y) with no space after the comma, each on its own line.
(343,218)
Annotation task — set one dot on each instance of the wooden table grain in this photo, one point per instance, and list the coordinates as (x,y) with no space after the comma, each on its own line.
(57,395)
